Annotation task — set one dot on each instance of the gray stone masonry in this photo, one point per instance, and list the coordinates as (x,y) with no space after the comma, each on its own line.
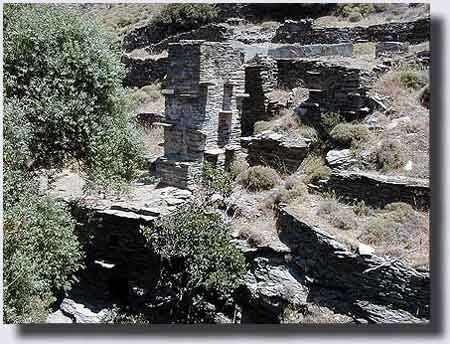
(304,33)
(275,150)
(205,88)
(333,87)
(390,49)
(380,190)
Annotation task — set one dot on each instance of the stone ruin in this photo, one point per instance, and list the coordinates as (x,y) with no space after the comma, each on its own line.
(204,92)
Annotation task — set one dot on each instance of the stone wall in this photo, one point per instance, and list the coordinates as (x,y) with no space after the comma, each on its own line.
(333,87)
(205,89)
(289,51)
(413,32)
(260,79)
(141,72)
(209,33)
(390,49)
(182,174)
(380,190)
(276,151)
(366,286)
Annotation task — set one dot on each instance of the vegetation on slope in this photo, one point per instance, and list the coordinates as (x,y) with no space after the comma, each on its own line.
(63,101)
(199,262)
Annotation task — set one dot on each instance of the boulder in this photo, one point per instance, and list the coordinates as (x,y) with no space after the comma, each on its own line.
(339,159)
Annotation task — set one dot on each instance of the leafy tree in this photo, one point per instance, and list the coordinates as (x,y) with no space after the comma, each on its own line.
(63,100)
(186,16)
(197,257)
(65,72)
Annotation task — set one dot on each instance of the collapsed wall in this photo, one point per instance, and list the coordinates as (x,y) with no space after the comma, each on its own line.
(303,32)
(333,87)
(380,190)
(144,71)
(276,151)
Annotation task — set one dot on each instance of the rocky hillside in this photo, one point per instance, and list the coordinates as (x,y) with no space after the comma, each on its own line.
(327,191)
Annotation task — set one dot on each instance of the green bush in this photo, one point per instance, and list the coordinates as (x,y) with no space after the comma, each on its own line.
(413,79)
(65,72)
(309,132)
(261,126)
(63,100)
(186,16)
(396,224)
(293,190)
(296,188)
(314,169)
(362,9)
(258,178)
(338,216)
(331,119)
(238,166)
(399,212)
(41,251)
(197,256)
(390,156)
(216,179)
(349,135)
(355,17)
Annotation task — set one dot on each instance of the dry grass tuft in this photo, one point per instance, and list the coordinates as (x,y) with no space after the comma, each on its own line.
(257,178)
(313,169)
(147,99)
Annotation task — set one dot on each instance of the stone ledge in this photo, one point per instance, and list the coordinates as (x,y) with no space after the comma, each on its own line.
(371,285)
(380,190)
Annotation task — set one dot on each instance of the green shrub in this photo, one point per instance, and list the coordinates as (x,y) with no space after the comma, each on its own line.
(340,217)
(349,135)
(331,119)
(309,132)
(147,94)
(118,315)
(355,17)
(197,257)
(390,156)
(41,251)
(186,16)
(413,79)
(361,209)
(66,74)
(238,166)
(314,169)
(216,179)
(258,178)
(362,9)
(399,212)
(261,126)
(396,224)
(63,100)
(293,190)
(296,187)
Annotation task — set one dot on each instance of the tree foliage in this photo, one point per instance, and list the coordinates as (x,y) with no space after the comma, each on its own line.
(197,255)
(186,16)
(66,74)
(63,100)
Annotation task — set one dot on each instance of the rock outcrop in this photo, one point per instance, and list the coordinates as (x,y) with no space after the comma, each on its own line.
(275,150)
(369,287)
(379,190)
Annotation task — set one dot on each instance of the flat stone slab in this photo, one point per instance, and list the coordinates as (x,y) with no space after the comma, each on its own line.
(142,202)
(58,317)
